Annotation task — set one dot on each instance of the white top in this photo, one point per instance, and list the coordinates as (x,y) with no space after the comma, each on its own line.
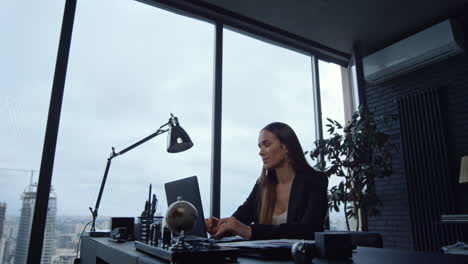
(280,219)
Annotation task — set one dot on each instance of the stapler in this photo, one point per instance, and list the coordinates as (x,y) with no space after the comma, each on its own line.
(119,234)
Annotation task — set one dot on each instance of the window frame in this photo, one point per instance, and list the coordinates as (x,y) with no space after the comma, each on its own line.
(220,18)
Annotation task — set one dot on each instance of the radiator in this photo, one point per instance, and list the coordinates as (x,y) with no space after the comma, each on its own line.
(430,186)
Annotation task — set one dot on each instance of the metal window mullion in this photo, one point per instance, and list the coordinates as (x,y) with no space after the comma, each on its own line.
(51,133)
(318,109)
(361,83)
(317,100)
(217,115)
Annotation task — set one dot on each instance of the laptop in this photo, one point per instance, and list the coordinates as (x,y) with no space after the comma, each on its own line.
(188,189)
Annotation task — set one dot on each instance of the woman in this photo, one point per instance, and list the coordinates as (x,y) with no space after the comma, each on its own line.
(288,201)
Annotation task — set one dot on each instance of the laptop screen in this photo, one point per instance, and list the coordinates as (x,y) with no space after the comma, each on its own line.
(188,189)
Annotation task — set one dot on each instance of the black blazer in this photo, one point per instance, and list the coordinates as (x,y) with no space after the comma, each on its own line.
(307,209)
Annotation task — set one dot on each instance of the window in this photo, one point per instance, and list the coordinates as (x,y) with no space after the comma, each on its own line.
(30,33)
(130,66)
(331,95)
(262,83)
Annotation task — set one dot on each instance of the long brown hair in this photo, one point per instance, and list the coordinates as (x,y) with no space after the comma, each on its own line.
(268,180)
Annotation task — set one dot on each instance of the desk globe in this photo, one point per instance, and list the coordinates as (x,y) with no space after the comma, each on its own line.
(180,218)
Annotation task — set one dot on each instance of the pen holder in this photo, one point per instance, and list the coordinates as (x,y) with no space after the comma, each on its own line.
(144,223)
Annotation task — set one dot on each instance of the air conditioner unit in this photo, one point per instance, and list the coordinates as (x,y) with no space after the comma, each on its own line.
(421,49)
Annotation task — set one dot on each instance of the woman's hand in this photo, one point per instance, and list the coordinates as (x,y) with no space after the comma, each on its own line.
(232,226)
(211,225)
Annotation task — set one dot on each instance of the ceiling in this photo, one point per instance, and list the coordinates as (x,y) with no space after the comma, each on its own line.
(340,23)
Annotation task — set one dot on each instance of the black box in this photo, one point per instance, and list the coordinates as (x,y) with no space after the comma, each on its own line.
(127,222)
(333,245)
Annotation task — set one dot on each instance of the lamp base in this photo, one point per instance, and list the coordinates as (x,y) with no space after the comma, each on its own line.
(97,234)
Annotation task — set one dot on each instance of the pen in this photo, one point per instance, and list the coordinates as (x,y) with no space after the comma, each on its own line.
(145,212)
(149,206)
(154,205)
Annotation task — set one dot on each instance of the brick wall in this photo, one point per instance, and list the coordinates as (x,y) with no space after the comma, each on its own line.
(451,77)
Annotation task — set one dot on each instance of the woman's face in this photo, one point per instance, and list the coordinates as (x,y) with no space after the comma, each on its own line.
(272,151)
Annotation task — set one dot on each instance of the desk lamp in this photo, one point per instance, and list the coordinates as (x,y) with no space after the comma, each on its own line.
(177,141)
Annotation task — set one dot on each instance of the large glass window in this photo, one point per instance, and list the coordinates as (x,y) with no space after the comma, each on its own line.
(30,33)
(262,83)
(331,95)
(130,66)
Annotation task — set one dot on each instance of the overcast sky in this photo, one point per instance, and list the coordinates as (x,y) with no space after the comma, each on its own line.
(130,66)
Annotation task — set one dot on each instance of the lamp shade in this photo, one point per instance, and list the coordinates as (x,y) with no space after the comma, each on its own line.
(178,140)
(464,170)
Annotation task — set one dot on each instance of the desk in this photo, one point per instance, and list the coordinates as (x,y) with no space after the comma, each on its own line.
(100,250)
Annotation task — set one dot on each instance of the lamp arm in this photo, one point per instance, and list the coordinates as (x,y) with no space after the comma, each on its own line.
(157,133)
(106,172)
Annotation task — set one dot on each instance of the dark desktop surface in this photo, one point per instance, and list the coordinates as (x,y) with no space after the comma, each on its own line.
(101,250)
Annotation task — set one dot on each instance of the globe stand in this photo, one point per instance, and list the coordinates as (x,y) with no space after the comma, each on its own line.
(180,245)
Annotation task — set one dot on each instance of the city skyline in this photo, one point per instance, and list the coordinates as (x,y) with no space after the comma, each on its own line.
(61,232)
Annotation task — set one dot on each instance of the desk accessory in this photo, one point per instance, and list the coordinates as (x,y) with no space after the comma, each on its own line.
(198,253)
(274,249)
(178,141)
(333,245)
(166,237)
(97,234)
(180,218)
(303,252)
(144,232)
(148,208)
(119,234)
(155,231)
(126,222)
(145,223)
(154,205)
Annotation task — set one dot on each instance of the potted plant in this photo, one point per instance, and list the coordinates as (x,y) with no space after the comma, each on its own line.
(358,153)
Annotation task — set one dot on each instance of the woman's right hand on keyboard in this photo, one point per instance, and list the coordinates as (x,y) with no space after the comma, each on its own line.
(212,225)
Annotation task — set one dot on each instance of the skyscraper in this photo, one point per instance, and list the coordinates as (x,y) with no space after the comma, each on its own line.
(24,229)
(7,241)
(2,222)
(2,217)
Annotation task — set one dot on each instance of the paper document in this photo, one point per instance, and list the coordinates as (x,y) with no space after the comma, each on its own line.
(259,244)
